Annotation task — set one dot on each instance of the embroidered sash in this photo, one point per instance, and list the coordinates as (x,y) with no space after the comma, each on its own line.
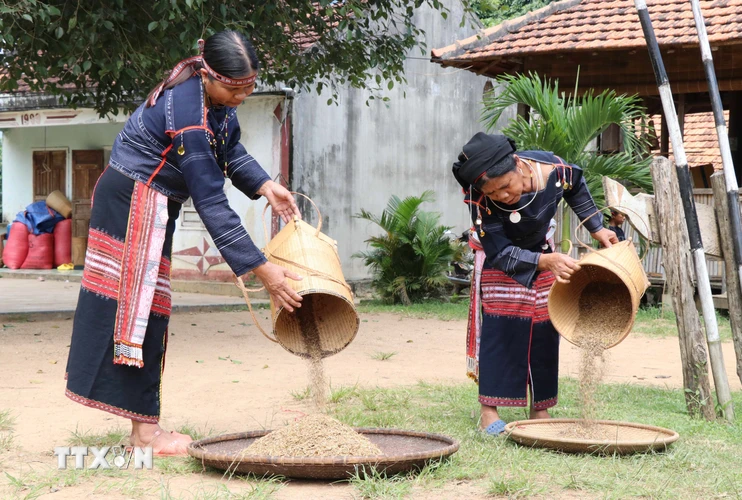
(145,237)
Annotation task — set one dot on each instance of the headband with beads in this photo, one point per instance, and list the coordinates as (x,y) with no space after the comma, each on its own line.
(189,63)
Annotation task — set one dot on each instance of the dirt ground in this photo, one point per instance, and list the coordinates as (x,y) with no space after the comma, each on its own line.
(251,388)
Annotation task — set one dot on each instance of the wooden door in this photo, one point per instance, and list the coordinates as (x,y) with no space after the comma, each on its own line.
(86,168)
(49,169)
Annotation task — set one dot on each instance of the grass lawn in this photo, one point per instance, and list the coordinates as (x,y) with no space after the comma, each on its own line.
(705,463)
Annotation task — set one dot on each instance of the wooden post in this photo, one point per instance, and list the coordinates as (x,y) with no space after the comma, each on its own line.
(721,384)
(678,264)
(734,289)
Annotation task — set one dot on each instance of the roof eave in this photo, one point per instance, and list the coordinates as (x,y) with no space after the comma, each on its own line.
(489,58)
(487,36)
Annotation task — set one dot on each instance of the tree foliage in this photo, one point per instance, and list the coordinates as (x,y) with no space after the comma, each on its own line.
(114,52)
(566,125)
(494,12)
(409,260)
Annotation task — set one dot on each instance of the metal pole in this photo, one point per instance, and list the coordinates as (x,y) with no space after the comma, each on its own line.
(721,131)
(723,394)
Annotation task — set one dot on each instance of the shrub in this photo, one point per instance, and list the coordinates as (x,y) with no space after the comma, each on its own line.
(410,259)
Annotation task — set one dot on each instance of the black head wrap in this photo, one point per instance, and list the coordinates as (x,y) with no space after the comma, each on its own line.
(478,155)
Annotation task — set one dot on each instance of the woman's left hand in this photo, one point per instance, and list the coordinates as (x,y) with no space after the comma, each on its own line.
(281,200)
(605,237)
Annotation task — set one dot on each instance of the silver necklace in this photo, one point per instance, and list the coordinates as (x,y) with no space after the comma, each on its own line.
(515,216)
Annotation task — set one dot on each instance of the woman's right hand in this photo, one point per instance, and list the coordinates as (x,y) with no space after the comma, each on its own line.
(561,265)
(273,278)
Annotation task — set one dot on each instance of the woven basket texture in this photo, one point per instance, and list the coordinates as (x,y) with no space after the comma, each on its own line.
(619,264)
(59,202)
(309,253)
(557,434)
(402,451)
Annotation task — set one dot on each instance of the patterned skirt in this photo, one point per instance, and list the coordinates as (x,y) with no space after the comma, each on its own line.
(106,370)
(519,347)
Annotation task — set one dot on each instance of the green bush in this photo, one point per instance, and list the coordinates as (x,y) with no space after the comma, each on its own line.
(410,259)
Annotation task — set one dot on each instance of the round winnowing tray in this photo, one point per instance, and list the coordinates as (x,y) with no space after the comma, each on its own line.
(606,436)
(402,451)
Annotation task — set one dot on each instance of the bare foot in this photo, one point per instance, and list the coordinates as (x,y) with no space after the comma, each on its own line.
(163,443)
(539,414)
(488,415)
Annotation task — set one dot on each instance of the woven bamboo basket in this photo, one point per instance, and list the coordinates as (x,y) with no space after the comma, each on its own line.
(612,437)
(617,265)
(327,305)
(59,202)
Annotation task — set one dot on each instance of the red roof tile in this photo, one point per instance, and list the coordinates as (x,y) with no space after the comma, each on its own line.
(592,25)
(699,139)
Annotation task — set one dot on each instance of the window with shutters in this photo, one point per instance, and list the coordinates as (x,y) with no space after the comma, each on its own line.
(189,218)
(49,173)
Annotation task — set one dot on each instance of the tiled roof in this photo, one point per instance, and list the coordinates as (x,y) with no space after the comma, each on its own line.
(699,139)
(595,25)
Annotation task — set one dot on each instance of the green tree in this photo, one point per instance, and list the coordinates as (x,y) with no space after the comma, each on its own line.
(114,52)
(410,258)
(566,124)
(494,12)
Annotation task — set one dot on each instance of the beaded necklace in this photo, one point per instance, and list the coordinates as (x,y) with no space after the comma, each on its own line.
(224,132)
(515,216)
(212,140)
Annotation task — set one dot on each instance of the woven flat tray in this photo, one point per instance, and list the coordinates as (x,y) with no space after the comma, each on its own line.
(612,437)
(403,451)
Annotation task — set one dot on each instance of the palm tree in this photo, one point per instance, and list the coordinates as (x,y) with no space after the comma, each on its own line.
(410,258)
(567,124)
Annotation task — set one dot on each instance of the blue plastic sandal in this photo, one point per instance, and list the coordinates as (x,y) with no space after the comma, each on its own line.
(496,428)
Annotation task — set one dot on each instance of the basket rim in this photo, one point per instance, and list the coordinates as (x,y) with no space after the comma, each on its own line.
(312,291)
(196,450)
(634,308)
(670,436)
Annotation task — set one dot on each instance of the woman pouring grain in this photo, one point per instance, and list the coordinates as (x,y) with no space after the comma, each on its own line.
(181,143)
(512,347)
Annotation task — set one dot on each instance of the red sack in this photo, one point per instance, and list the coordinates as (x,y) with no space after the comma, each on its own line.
(16,248)
(63,243)
(40,252)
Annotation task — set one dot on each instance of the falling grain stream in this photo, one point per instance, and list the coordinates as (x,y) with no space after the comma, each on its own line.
(315,435)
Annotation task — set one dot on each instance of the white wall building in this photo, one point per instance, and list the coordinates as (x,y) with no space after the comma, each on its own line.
(345,157)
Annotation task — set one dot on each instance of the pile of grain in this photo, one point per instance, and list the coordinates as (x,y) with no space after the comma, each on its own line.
(313,436)
(310,337)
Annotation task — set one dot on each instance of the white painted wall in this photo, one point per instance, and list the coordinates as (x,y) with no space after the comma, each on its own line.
(19,145)
(260,135)
(354,156)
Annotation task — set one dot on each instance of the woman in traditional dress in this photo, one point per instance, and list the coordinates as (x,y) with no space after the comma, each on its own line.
(512,347)
(182,142)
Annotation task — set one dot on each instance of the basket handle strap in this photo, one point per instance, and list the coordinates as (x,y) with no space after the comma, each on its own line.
(319,218)
(241,285)
(312,272)
(308,270)
(571,245)
(591,249)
